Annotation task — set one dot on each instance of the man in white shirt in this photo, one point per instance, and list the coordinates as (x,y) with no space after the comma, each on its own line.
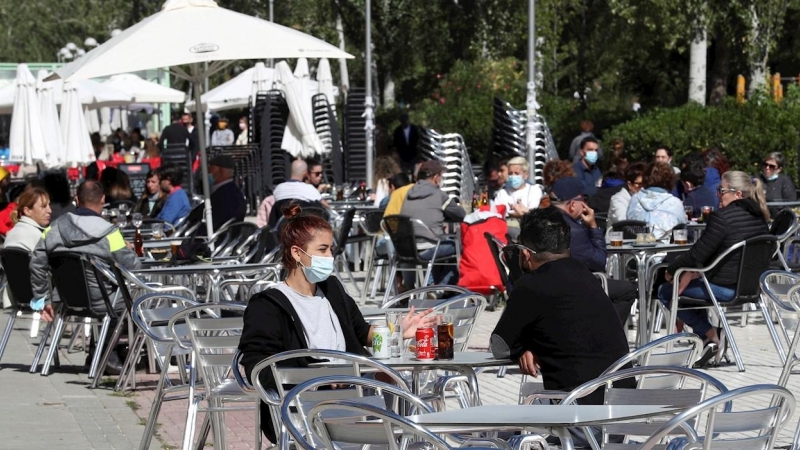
(295,187)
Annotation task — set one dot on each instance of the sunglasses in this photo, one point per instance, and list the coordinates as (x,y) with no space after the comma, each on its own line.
(770,166)
(721,190)
(316,174)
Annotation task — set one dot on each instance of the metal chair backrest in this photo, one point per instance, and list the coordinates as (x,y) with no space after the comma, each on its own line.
(510,257)
(775,288)
(630,228)
(72,277)
(754,260)
(16,263)
(662,352)
(230,235)
(465,309)
(343,232)
(372,222)
(750,425)
(385,426)
(495,248)
(675,386)
(404,238)
(387,394)
(783,224)
(152,312)
(418,297)
(213,338)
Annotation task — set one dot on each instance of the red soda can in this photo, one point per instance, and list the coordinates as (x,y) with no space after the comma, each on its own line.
(425,348)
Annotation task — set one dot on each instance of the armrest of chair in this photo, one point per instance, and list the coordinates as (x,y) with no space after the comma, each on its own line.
(603,280)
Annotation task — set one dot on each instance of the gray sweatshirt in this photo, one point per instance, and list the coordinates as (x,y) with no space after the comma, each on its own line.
(426,202)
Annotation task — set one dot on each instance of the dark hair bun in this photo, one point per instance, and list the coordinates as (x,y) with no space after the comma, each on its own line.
(291,210)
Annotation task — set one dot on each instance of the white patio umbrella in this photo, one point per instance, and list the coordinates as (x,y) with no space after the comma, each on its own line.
(325,79)
(27,139)
(194,32)
(74,133)
(143,91)
(92,120)
(300,139)
(105,122)
(235,93)
(91,93)
(51,128)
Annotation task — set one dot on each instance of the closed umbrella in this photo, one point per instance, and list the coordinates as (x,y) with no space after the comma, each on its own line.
(74,133)
(51,128)
(27,139)
(92,120)
(262,79)
(325,79)
(300,138)
(196,31)
(105,122)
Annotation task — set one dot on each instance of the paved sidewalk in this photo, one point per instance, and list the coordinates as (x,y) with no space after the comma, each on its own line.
(59,411)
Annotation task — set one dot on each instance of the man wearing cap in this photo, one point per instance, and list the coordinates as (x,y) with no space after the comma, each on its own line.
(587,240)
(227,201)
(426,202)
(223,136)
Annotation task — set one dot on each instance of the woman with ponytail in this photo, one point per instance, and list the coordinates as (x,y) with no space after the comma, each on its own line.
(742,214)
(310,309)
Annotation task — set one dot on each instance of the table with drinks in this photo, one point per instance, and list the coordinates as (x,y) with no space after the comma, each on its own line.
(644,249)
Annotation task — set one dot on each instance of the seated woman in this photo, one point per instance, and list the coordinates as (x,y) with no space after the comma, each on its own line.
(634,180)
(655,205)
(30,218)
(309,309)
(742,214)
(153,198)
(518,196)
(778,186)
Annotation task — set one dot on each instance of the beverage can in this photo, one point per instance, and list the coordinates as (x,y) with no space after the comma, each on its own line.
(380,342)
(425,348)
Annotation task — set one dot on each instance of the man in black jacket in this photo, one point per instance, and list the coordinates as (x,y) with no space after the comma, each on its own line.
(227,201)
(174,133)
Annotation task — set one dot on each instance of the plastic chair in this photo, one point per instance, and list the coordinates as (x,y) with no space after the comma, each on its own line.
(750,427)
(754,256)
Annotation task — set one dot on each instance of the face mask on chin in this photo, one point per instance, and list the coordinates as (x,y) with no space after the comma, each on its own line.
(772,177)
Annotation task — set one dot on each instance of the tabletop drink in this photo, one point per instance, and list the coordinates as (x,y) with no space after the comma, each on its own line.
(680,237)
(138,243)
(426,351)
(445,338)
(380,341)
(158,230)
(340,194)
(616,238)
(688,210)
(707,212)
(174,246)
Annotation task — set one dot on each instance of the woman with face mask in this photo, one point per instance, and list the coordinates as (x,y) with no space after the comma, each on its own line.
(309,309)
(518,196)
(778,186)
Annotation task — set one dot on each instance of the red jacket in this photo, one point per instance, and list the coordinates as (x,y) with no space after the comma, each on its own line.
(5,218)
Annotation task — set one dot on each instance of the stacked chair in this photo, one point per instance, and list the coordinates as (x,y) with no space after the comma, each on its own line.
(509,136)
(450,149)
(248,172)
(179,155)
(328,131)
(355,137)
(269,116)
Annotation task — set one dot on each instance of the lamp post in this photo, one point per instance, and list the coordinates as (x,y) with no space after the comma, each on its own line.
(530,102)
(369,126)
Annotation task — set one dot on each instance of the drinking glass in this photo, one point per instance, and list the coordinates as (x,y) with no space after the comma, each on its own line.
(174,246)
(689,211)
(707,210)
(616,238)
(158,230)
(124,208)
(680,237)
(122,221)
(137,219)
(444,337)
(105,214)
(393,319)
(114,214)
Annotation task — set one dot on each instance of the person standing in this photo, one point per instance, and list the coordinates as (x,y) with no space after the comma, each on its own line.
(227,201)
(194,141)
(405,141)
(222,136)
(586,169)
(587,131)
(174,133)
(242,139)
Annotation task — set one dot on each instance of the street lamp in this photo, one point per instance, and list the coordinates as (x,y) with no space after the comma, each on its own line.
(115,32)
(80,52)
(90,42)
(71,46)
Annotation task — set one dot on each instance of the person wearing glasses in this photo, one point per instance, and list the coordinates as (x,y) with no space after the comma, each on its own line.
(655,204)
(634,180)
(742,215)
(314,177)
(779,187)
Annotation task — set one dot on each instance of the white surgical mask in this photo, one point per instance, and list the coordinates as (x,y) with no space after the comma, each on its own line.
(320,269)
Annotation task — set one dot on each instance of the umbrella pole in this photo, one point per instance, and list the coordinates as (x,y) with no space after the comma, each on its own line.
(201,136)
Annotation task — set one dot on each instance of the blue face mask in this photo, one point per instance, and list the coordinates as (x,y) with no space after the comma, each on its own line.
(773,177)
(321,268)
(210,180)
(591,157)
(37,305)
(515,181)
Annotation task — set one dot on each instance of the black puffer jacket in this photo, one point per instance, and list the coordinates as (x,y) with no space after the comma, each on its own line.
(740,220)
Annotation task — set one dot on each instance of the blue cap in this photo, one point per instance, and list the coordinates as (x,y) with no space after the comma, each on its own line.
(566,189)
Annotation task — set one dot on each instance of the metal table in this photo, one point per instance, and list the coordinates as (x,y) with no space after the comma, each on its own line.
(212,272)
(554,418)
(376,313)
(643,256)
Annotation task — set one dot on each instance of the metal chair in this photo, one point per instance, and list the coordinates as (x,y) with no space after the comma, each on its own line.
(791,358)
(776,307)
(225,240)
(296,366)
(213,341)
(784,228)
(371,222)
(749,427)
(16,264)
(754,256)
(151,313)
(418,297)
(655,385)
(401,230)
(341,240)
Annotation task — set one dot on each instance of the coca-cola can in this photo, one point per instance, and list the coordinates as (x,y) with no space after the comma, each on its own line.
(426,351)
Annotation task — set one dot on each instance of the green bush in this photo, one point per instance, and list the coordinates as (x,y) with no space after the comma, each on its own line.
(744,132)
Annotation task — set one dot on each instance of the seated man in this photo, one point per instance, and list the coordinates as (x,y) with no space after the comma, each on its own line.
(588,243)
(426,202)
(296,187)
(696,193)
(177,205)
(227,201)
(558,320)
(82,231)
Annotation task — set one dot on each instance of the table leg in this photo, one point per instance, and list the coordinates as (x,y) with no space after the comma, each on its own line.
(566,438)
(644,298)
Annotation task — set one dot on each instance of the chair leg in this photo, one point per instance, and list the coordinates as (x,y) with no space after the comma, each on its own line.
(390,284)
(54,341)
(352,278)
(191,413)
(77,331)
(128,372)
(40,348)
(204,430)
(108,349)
(152,418)
(772,331)
(7,332)
(726,326)
(101,347)
(370,264)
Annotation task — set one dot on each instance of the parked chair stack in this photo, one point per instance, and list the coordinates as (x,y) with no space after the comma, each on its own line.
(449,149)
(355,138)
(248,174)
(269,118)
(327,129)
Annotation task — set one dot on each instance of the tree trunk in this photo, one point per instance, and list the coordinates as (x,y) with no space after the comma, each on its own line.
(758,54)
(720,72)
(343,73)
(697,66)
(388,91)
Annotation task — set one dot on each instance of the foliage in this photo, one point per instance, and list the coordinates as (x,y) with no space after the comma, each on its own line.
(744,132)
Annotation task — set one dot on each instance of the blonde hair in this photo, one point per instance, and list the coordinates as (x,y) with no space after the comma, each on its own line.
(519,161)
(28,199)
(750,188)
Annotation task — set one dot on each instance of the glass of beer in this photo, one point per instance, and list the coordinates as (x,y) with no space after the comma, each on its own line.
(680,237)
(158,230)
(707,210)
(444,335)
(615,237)
(689,212)
(174,246)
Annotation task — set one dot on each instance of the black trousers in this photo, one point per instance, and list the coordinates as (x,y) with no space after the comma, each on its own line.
(622,295)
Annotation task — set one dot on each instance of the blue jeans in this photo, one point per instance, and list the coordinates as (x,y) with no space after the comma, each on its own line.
(441,274)
(697,319)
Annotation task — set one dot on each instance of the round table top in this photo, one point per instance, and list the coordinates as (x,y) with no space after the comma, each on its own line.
(629,247)
(470,359)
(197,268)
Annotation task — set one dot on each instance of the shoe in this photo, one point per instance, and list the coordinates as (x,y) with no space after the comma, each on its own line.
(114,365)
(709,352)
